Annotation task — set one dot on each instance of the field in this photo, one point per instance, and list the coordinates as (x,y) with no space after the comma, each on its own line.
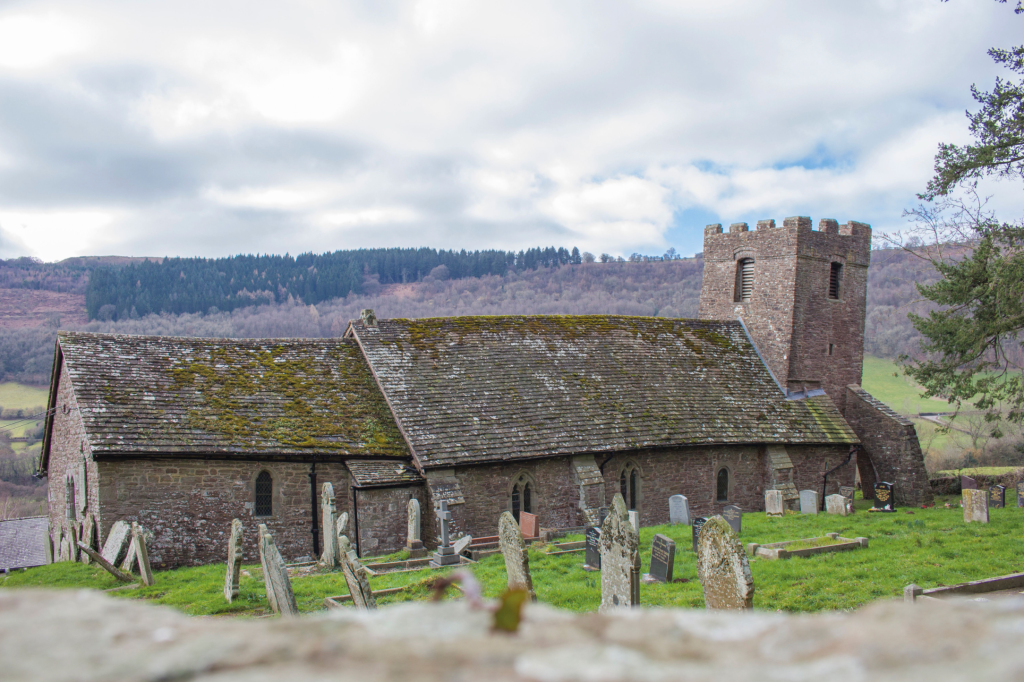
(929,547)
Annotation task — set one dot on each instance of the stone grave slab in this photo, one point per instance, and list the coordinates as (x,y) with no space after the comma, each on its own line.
(698,523)
(71,535)
(634,520)
(602,514)
(619,553)
(103,563)
(679,510)
(884,501)
(142,554)
(462,543)
(975,505)
(275,576)
(88,536)
(968,483)
(733,515)
(774,505)
(116,545)
(836,504)
(234,566)
(356,577)
(723,568)
(328,517)
(517,559)
(809,502)
(997,496)
(663,558)
(528,525)
(592,558)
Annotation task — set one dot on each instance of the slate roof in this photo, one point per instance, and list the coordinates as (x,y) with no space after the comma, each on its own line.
(171,395)
(370,473)
(486,389)
(23,542)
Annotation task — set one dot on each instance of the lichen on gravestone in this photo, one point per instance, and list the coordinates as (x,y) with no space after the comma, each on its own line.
(234,566)
(356,577)
(275,576)
(517,560)
(723,568)
(619,547)
(328,512)
(142,554)
(116,546)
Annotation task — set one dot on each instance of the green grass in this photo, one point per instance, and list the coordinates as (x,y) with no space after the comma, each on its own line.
(978,471)
(930,547)
(14,396)
(898,392)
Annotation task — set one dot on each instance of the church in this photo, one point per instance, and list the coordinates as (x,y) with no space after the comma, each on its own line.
(547,414)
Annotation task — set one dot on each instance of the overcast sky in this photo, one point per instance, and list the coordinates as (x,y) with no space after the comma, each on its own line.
(213,128)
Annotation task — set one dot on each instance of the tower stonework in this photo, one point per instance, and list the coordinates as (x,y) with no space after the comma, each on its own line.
(805,304)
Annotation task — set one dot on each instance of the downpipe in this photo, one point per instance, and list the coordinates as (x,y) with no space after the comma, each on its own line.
(854,449)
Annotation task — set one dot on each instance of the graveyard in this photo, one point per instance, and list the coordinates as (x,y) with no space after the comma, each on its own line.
(930,547)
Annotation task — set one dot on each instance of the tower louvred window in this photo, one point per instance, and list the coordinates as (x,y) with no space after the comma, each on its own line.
(744,280)
(834,277)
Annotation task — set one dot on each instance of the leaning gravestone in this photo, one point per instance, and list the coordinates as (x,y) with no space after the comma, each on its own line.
(808,501)
(88,535)
(997,496)
(71,535)
(773,503)
(592,558)
(698,523)
(836,504)
(117,542)
(968,483)
(413,540)
(723,568)
(517,560)
(328,516)
(619,551)
(975,505)
(275,576)
(734,517)
(678,510)
(234,567)
(142,554)
(884,497)
(663,558)
(528,525)
(463,543)
(356,577)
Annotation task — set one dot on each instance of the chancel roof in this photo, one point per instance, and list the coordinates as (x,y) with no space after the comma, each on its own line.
(162,395)
(487,389)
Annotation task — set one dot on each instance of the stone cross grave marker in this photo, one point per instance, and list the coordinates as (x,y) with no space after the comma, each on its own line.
(975,505)
(808,501)
(846,491)
(773,503)
(968,483)
(445,554)
(328,519)
(275,576)
(663,558)
(413,540)
(517,559)
(88,535)
(698,523)
(836,504)
(234,567)
(117,542)
(528,525)
(619,551)
(592,558)
(997,496)
(733,515)
(142,554)
(884,501)
(679,510)
(356,577)
(723,568)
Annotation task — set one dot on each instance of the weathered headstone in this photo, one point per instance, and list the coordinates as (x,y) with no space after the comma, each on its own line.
(733,515)
(836,504)
(602,514)
(997,496)
(116,545)
(142,554)
(234,568)
(462,543)
(698,523)
(88,536)
(975,505)
(723,568)
(71,534)
(773,503)
(619,551)
(103,563)
(808,501)
(634,520)
(328,517)
(445,554)
(413,540)
(517,559)
(48,546)
(846,491)
(884,501)
(528,524)
(356,577)
(968,483)
(593,552)
(679,510)
(275,576)
(663,558)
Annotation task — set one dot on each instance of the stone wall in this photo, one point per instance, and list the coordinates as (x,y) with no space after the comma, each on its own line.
(382,516)
(890,449)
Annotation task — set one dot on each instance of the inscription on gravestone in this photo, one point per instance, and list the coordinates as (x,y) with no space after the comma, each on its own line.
(698,523)
(773,503)
(593,555)
(997,496)
(883,497)
(968,483)
(734,516)
(678,510)
(663,558)
(975,505)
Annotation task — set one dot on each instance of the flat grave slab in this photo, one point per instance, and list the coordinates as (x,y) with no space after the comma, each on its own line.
(831,542)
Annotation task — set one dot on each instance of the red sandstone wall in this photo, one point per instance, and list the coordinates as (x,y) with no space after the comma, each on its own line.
(383,517)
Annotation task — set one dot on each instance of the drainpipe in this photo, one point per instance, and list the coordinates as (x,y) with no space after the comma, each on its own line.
(316,515)
(355,517)
(854,449)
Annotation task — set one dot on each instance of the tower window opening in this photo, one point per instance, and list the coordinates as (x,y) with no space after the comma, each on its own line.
(834,278)
(744,280)
(831,348)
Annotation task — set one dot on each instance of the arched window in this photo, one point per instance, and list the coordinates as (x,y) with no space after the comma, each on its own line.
(744,280)
(522,495)
(264,494)
(835,278)
(723,485)
(629,485)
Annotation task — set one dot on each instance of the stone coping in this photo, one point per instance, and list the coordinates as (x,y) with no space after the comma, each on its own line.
(998,584)
(777,550)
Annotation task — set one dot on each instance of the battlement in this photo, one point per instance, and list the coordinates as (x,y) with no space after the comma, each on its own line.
(850,242)
(799,223)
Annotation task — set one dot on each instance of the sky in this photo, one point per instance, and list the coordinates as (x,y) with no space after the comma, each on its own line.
(214,128)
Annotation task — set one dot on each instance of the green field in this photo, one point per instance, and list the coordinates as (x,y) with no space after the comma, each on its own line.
(14,396)
(929,547)
(898,392)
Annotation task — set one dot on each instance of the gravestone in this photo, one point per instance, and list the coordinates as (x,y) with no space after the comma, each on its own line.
(445,554)
(884,501)
(131,556)
(975,505)
(528,525)
(968,483)
(602,514)
(997,496)
(634,520)
(733,515)
(774,505)
(328,516)
(723,568)
(808,501)
(698,523)
(275,576)
(116,545)
(619,553)
(836,504)
(663,558)
(513,548)
(592,558)
(846,491)
(88,536)
(463,543)
(413,540)
(679,510)
(142,554)
(356,577)
(234,567)
(48,546)
(103,563)
(71,535)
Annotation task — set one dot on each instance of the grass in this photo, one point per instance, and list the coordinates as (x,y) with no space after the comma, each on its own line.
(884,380)
(929,547)
(15,396)
(978,471)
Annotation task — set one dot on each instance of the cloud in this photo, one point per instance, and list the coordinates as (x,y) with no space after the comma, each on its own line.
(32,41)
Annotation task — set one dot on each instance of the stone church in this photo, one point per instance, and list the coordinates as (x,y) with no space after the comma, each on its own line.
(547,414)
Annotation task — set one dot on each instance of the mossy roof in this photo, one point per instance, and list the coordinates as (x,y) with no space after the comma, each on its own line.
(161,395)
(485,389)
